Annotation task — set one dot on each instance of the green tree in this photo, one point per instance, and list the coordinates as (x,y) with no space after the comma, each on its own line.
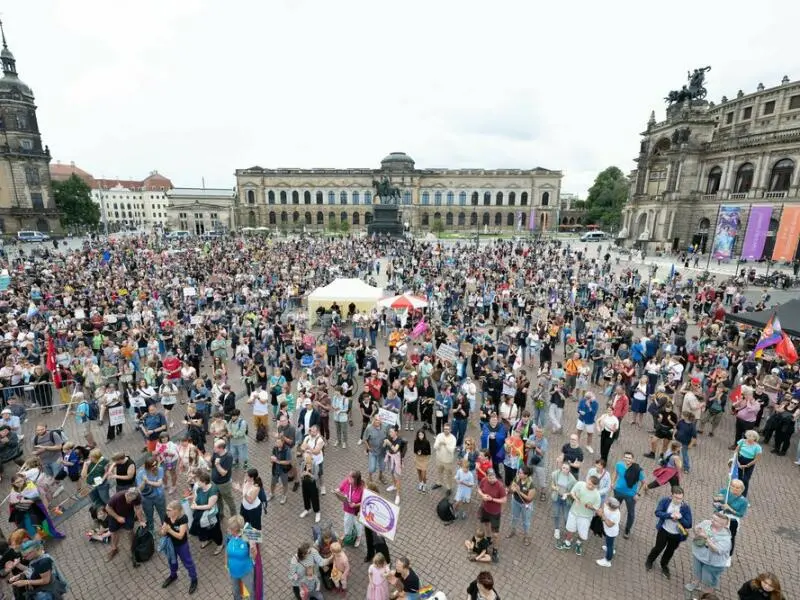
(607,197)
(333,226)
(437,226)
(344,226)
(73,198)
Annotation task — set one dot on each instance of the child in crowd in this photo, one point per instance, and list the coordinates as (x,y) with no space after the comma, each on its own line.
(479,547)
(341,568)
(465,482)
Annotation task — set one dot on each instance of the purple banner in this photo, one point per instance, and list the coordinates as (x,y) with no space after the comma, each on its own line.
(730,217)
(532,220)
(756,236)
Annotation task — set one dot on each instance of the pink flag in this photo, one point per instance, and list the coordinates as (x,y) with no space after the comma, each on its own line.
(419,329)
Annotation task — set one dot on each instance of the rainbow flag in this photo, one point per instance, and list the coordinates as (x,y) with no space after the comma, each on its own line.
(771,335)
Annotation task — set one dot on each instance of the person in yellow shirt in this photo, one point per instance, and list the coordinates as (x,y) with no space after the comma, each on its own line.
(572,367)
(394,339)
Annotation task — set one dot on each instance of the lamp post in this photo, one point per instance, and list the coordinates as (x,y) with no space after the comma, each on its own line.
(474,219)
(104,210)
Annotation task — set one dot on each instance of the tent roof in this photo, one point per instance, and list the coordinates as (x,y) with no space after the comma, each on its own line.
(346,289)
(788,313)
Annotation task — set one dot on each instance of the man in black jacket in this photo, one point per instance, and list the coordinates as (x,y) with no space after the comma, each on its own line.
(228,401)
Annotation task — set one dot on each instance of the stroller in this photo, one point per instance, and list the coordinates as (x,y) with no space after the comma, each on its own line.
(307,360)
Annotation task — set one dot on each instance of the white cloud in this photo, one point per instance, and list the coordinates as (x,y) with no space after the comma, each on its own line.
(197,88)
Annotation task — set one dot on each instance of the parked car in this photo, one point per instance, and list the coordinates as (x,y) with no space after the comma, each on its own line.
(32,236)
(178,235)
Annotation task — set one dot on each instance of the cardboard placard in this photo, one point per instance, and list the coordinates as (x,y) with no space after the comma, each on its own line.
(116,415)
(388,417)
(380,515)
(197,320)
(251,534)
(447,353)
(188,292)
(466,349)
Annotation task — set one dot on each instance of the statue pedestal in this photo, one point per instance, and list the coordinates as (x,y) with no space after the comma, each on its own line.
(386,220)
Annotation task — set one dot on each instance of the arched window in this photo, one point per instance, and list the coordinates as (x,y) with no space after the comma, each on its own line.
(448,219)
(331,198)
(744,179)
(462,198)
(487,198)
(367,197)
(271,217)
(473,219)
(451,197)
(498,219)
(714,179)
(510,219)
(283,197)
(343,198)
(356,218)
(251,197)
(319,197)
(271,197)
(781,177)
(306,197)
(486,218)
(356,198)
(564,221)
(512,198)
(295,217)
(295,197)
(523,199)
(546,199)
(499,199)
(343,216)
(572,221)
(407,198)
(331,217)
(437,216)
(704,225)
(437,198)
(426,198)
(475,197)
(462,219)
(284,217)
(251,218)
(320,218)
(425,220)
(307,218)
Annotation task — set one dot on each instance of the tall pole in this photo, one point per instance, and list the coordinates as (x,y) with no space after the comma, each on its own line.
(716,224)
(103,208)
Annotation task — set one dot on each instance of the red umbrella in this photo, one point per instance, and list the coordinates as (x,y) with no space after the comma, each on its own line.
(406,301)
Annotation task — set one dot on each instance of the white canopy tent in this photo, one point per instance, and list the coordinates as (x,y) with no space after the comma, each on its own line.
(344,292)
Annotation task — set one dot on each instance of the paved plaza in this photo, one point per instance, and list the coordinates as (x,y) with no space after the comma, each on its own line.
(769,538)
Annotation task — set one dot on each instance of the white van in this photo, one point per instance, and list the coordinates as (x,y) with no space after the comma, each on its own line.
(32,236)
(594,236)
(178,235)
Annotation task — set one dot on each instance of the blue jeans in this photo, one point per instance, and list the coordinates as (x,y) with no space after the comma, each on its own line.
(685,457)
(157,502)
(610,548)
(238,582)
(459,427)
(560,510)
(522,513)
(239,453)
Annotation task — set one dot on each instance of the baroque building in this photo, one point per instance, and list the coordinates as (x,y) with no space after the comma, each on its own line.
(26,199)
(742,152)
(461,199)
(200,210)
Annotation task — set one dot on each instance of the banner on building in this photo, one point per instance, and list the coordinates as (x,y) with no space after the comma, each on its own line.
(788,234)
(756,235)
(727,227)
(532,220)
(379,515)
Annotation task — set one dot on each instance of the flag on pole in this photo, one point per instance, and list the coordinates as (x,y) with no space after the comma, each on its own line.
(672,272)
(771,335)
(419,329)
(786,350)
(733,474)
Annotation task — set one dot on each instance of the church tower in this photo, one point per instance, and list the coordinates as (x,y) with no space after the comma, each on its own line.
(26,199)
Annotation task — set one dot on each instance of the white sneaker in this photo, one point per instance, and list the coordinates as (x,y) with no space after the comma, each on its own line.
(391,488)
(397,499)
(557,534)
(603,562)
(728,562)
(590,450)
(335,443)
(304,514)
(797,462)
(317,517)
(360,442)
(323,491)
(344,445)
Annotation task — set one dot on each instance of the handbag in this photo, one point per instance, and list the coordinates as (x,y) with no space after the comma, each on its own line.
(209,518)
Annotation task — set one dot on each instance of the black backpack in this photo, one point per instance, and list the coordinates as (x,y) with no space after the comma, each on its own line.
(144,546)
(445,511)
(261,433)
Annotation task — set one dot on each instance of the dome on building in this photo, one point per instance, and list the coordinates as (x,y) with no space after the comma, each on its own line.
(398,161)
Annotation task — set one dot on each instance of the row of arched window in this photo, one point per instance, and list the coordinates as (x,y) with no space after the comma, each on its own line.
(426,219)
(436,198)
(779,181)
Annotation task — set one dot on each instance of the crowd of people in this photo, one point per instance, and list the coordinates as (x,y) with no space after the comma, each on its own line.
(515,338)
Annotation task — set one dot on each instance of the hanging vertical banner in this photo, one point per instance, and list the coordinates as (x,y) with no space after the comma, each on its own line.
(532,220)
(520,219)
(727,228)
(756,236)
(788,234)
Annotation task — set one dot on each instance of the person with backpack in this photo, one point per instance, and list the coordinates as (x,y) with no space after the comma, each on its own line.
(42,578)
(47,446)
(121,510)
(237,435)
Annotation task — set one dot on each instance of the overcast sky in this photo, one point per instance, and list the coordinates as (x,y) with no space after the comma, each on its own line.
(199,88)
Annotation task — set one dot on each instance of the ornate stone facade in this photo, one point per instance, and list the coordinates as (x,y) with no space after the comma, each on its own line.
(462,199)
(26,201)
(741,152)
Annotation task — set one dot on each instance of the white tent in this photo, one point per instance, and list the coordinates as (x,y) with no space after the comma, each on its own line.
(343,292)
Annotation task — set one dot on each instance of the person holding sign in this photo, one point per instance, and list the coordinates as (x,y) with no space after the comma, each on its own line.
(350,492)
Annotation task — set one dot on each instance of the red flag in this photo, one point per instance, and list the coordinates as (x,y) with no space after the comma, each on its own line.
(50,361)
(786,350)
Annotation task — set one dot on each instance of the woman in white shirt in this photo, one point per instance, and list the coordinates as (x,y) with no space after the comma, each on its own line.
(410,397)
(608,424)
